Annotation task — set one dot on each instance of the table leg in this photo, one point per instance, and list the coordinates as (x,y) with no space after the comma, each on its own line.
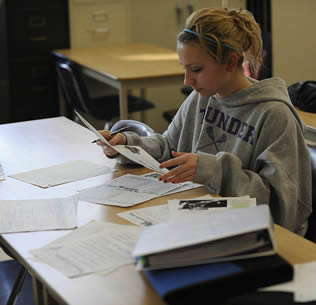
(37,291)
(123,103)
(143,113)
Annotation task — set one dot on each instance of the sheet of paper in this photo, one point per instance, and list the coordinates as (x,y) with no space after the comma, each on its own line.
(63,173)
(127,190)
(180,208)
(2,174)
(304,282)
(143,184)
(181,187)
(93,253)
(133,153)
(147,216)
(113,195)
(38,214)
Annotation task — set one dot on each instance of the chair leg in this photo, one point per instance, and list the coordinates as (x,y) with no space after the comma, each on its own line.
(17,286)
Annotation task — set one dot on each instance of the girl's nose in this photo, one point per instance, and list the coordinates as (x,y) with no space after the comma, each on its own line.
(188,80)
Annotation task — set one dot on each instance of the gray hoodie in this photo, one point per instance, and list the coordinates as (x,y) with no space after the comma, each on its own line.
(250,143)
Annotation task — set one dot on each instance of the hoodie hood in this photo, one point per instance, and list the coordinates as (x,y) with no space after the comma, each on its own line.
(267,90)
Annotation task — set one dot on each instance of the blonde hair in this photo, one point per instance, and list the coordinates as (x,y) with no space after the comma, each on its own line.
(221,31)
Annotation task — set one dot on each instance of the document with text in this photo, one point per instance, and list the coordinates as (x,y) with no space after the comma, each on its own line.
(100,250)
(133,153)
(63,173)
(127,190)
(38,214)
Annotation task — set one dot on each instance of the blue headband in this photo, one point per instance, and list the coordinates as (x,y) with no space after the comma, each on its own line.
(211,39)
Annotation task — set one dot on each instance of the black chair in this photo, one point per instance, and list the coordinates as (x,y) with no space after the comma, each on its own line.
(15,282)
(311,232)
(169,115)
(140,128)
(77,97)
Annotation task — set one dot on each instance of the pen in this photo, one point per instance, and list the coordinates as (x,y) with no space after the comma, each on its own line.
(114,133)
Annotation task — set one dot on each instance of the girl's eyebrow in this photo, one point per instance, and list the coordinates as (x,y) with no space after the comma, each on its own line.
(190,65)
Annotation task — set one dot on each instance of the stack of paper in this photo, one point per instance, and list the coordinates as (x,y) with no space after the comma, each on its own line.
(129,190)
(177,209)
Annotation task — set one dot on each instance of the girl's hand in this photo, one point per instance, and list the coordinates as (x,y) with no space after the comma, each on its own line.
(117,139)
(186,167)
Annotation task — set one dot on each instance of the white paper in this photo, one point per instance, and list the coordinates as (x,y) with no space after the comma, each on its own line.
(180,208)
(113,195)
(147,216)
(304,282)
(181,187)
(127,190)
(100,251)
(2,174)
(133,153)
(143,184)
(38,214)
(63,173)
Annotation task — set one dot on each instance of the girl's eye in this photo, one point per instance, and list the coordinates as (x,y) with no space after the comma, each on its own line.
(196,69)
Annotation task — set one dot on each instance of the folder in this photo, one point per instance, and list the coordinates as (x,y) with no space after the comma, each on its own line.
(215,282)
(223,236)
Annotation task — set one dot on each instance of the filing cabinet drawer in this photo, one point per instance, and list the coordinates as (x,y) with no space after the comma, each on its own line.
(97,24)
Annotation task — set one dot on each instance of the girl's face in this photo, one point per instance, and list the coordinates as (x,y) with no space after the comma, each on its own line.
(202,72)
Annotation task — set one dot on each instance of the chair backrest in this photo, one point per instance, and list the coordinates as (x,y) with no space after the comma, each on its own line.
(140,128)
(73,87)
(311,232)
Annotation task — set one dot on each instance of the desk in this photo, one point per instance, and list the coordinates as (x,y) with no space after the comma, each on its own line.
(34,144)
(308,117)
(128,66)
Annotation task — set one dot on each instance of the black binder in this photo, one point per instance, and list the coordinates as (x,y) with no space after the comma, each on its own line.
(213,283)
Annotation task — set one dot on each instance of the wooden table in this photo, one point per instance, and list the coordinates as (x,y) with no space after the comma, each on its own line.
(41,143)
(308,117)
(128,66)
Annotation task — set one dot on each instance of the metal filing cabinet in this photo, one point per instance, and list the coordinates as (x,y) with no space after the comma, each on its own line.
(29,31)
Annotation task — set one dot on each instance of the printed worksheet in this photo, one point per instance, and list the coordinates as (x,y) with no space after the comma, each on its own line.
(148,216)
(101,249)
(63,173)
(133,153)
(38,214)
(127,190)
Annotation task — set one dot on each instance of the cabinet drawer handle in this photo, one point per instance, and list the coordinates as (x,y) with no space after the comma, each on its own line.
(99,30)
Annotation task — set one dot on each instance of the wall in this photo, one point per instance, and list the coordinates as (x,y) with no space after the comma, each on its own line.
(294,39)
(103,22)
(157,22)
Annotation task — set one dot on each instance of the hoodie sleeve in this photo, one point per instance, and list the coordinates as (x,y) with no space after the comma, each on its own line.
(280,173)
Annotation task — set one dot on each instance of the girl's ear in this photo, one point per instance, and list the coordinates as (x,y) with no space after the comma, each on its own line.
(232,62)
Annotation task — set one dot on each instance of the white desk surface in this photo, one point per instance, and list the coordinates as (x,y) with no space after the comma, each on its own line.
(34,144)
